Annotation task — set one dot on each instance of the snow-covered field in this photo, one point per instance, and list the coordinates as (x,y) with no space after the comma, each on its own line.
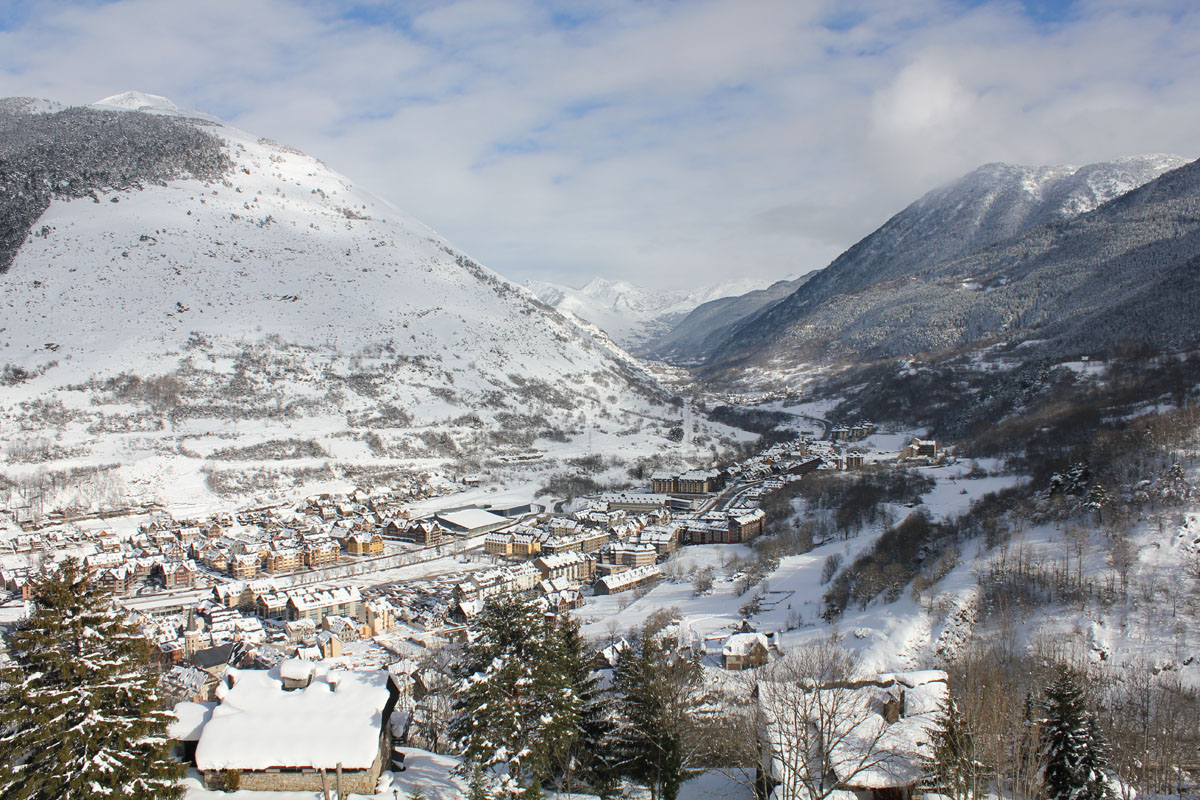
(1147,622)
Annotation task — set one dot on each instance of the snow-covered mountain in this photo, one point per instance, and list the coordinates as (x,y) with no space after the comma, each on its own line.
(993,204)
(634,316)
(236,301)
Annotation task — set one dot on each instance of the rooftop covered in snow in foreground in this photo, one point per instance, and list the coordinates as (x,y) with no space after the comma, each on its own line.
(282,737)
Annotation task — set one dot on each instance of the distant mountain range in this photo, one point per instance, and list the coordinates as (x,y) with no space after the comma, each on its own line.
(1004,252)
(635,317)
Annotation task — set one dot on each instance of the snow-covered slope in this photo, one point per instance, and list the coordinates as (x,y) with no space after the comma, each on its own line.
(634,316)
(213,321)
(993,204)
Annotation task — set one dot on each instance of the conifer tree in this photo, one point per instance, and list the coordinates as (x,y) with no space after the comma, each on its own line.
(516,707)
(588,760)
(658,692)
(80,713)
(1074,752)
(953,766)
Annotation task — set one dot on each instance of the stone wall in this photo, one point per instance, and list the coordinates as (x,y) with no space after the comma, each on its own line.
(358,781)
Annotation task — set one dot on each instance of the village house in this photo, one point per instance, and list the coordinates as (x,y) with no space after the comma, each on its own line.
(745,526)
(526,545)
(177,574)
(188,684)
(628,580)
(630,554)
(316,603)
(321,552)
(379,617)
(572,566)
(629,501)
(873,737)
(486,583)
(559,602)
(244,566)
(921,448)
(698,482)
(850,460)
(498,544)
(552,545)
(423,532)
(364,544)
(324,729)
(663,538)
(745,651)
(563,526)
(115,580)
(663,483)
(271,605)
(282,560)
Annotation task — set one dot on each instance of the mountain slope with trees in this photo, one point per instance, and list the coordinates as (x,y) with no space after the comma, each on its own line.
(960,255)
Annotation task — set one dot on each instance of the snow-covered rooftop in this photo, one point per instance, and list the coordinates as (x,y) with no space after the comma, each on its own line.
(259,725)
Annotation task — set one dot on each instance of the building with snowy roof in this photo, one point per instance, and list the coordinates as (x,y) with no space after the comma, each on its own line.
(873,737)
(628,580)
(472,521)
(299,726)
(745,651)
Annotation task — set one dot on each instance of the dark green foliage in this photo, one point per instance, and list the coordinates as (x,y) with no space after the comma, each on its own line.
(857,499)
(588,761)
(477,784)
(80,714)
(1074,752)
(517,707)
(658,690)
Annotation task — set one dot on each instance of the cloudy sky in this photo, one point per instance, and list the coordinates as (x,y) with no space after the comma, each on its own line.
(646,140)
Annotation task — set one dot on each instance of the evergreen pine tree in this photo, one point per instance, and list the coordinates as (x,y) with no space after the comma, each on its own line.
(1074,753)
(953,767)
(658,691)
(80,714)
(1096,761)
(588,760)
(477,784)
(516,706)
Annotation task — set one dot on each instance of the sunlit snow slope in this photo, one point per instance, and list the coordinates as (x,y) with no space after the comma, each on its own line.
(283,303)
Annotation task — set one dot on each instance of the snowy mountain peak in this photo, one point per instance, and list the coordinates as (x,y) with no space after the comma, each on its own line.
(634,316)
(1061,190)
(138,101)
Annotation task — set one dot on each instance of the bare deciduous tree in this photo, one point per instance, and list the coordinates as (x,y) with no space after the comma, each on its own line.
(820,729)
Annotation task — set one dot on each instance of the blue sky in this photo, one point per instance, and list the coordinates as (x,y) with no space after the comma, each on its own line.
(663,142)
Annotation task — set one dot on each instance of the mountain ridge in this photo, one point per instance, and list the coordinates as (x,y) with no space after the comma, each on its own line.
(992,204)
(1066,280)
(634,316)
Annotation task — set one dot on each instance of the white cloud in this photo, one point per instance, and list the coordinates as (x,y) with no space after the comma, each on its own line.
(656,141)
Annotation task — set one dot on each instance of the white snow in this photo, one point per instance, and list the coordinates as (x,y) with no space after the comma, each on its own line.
(472,518)
(287,272)
(258,725)
(634,315)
